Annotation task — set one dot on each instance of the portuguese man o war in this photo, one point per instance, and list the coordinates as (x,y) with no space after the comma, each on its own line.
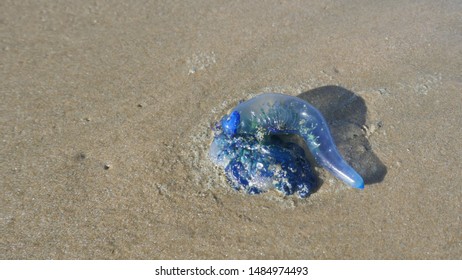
(251,144)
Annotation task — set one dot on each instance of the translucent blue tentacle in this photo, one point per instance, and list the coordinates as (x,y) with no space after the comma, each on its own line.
(274,113)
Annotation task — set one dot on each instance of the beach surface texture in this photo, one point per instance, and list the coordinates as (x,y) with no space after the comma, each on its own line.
(106,109)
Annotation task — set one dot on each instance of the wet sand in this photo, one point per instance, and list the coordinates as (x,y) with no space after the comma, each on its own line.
(105,120)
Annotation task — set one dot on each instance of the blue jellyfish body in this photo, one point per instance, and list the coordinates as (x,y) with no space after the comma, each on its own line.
(248,145)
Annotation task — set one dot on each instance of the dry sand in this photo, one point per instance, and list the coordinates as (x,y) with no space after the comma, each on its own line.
(105,113)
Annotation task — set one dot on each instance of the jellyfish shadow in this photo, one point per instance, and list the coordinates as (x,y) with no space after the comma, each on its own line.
(345,113)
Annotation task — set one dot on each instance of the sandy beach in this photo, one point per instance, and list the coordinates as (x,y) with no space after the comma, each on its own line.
(106,109)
